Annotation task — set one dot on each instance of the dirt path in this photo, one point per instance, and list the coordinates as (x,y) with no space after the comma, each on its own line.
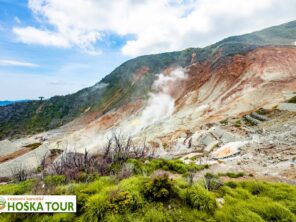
(14,155)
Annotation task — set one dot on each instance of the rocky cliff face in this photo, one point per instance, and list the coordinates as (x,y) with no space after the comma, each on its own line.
(207,92)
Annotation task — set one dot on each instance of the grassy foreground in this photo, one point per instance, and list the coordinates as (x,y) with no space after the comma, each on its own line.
(140,191)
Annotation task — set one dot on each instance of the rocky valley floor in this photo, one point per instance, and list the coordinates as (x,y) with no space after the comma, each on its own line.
(261,145)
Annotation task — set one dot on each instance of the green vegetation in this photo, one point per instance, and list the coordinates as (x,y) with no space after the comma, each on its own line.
(33,146)
(175,166)
(232,174)
(238,123)
(159,188)
(199,198)
(292,100)
(195,157)
(16,188)
(54,180)
(149,195)
(262,111)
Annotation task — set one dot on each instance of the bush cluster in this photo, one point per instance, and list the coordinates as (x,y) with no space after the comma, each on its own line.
(159,188)
(175,166)
(232,174)
(161,196)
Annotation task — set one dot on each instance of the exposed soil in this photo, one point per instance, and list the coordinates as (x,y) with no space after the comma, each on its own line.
(14,154)
(20,152)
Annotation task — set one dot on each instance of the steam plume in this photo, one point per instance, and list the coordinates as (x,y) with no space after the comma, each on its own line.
(161,104)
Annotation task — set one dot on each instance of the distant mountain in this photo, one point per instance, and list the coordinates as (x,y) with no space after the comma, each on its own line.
(132,81)
(6,102)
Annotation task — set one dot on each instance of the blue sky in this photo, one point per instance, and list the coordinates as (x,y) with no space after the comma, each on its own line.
(50,70)
(56,47)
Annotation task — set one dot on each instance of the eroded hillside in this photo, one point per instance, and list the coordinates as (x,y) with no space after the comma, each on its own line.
(179,103)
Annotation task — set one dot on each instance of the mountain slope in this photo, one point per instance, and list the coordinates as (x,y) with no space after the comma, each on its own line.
(215,105)
(115,89)
(132,81)
(277,35)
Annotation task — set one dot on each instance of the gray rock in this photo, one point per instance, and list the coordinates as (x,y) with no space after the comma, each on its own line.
(7,147)
(287,106)
(259,117)
(252,120)
(211,146)
(29,161)
(224,136)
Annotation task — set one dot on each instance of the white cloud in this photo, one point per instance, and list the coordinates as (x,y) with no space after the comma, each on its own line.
(162,25)
(31,35)
(17,63)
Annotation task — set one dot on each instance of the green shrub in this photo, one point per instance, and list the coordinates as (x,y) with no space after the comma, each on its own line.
(159,212)
(201,199)
(212,182)
(270,211)
(186,214)
(13,217)
(235,175)
(134,185)
(95,186)
(236,213)
(159,188)
(238,123)
(87,177)
(25,217)
(16,188)
(33,146)
(232,174)
(176,166)
(84,191)
(262,111)
(237,193)
(120,217)
(292,100)
(95,208)
(159,198)
(96,205)
(120,201)
(254,187)
(224,122)
(113,218)
(54,180)
(138,166)
(110,199)
(282,193)
(155,214)
(56,217)
(271,202)
(231,184)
